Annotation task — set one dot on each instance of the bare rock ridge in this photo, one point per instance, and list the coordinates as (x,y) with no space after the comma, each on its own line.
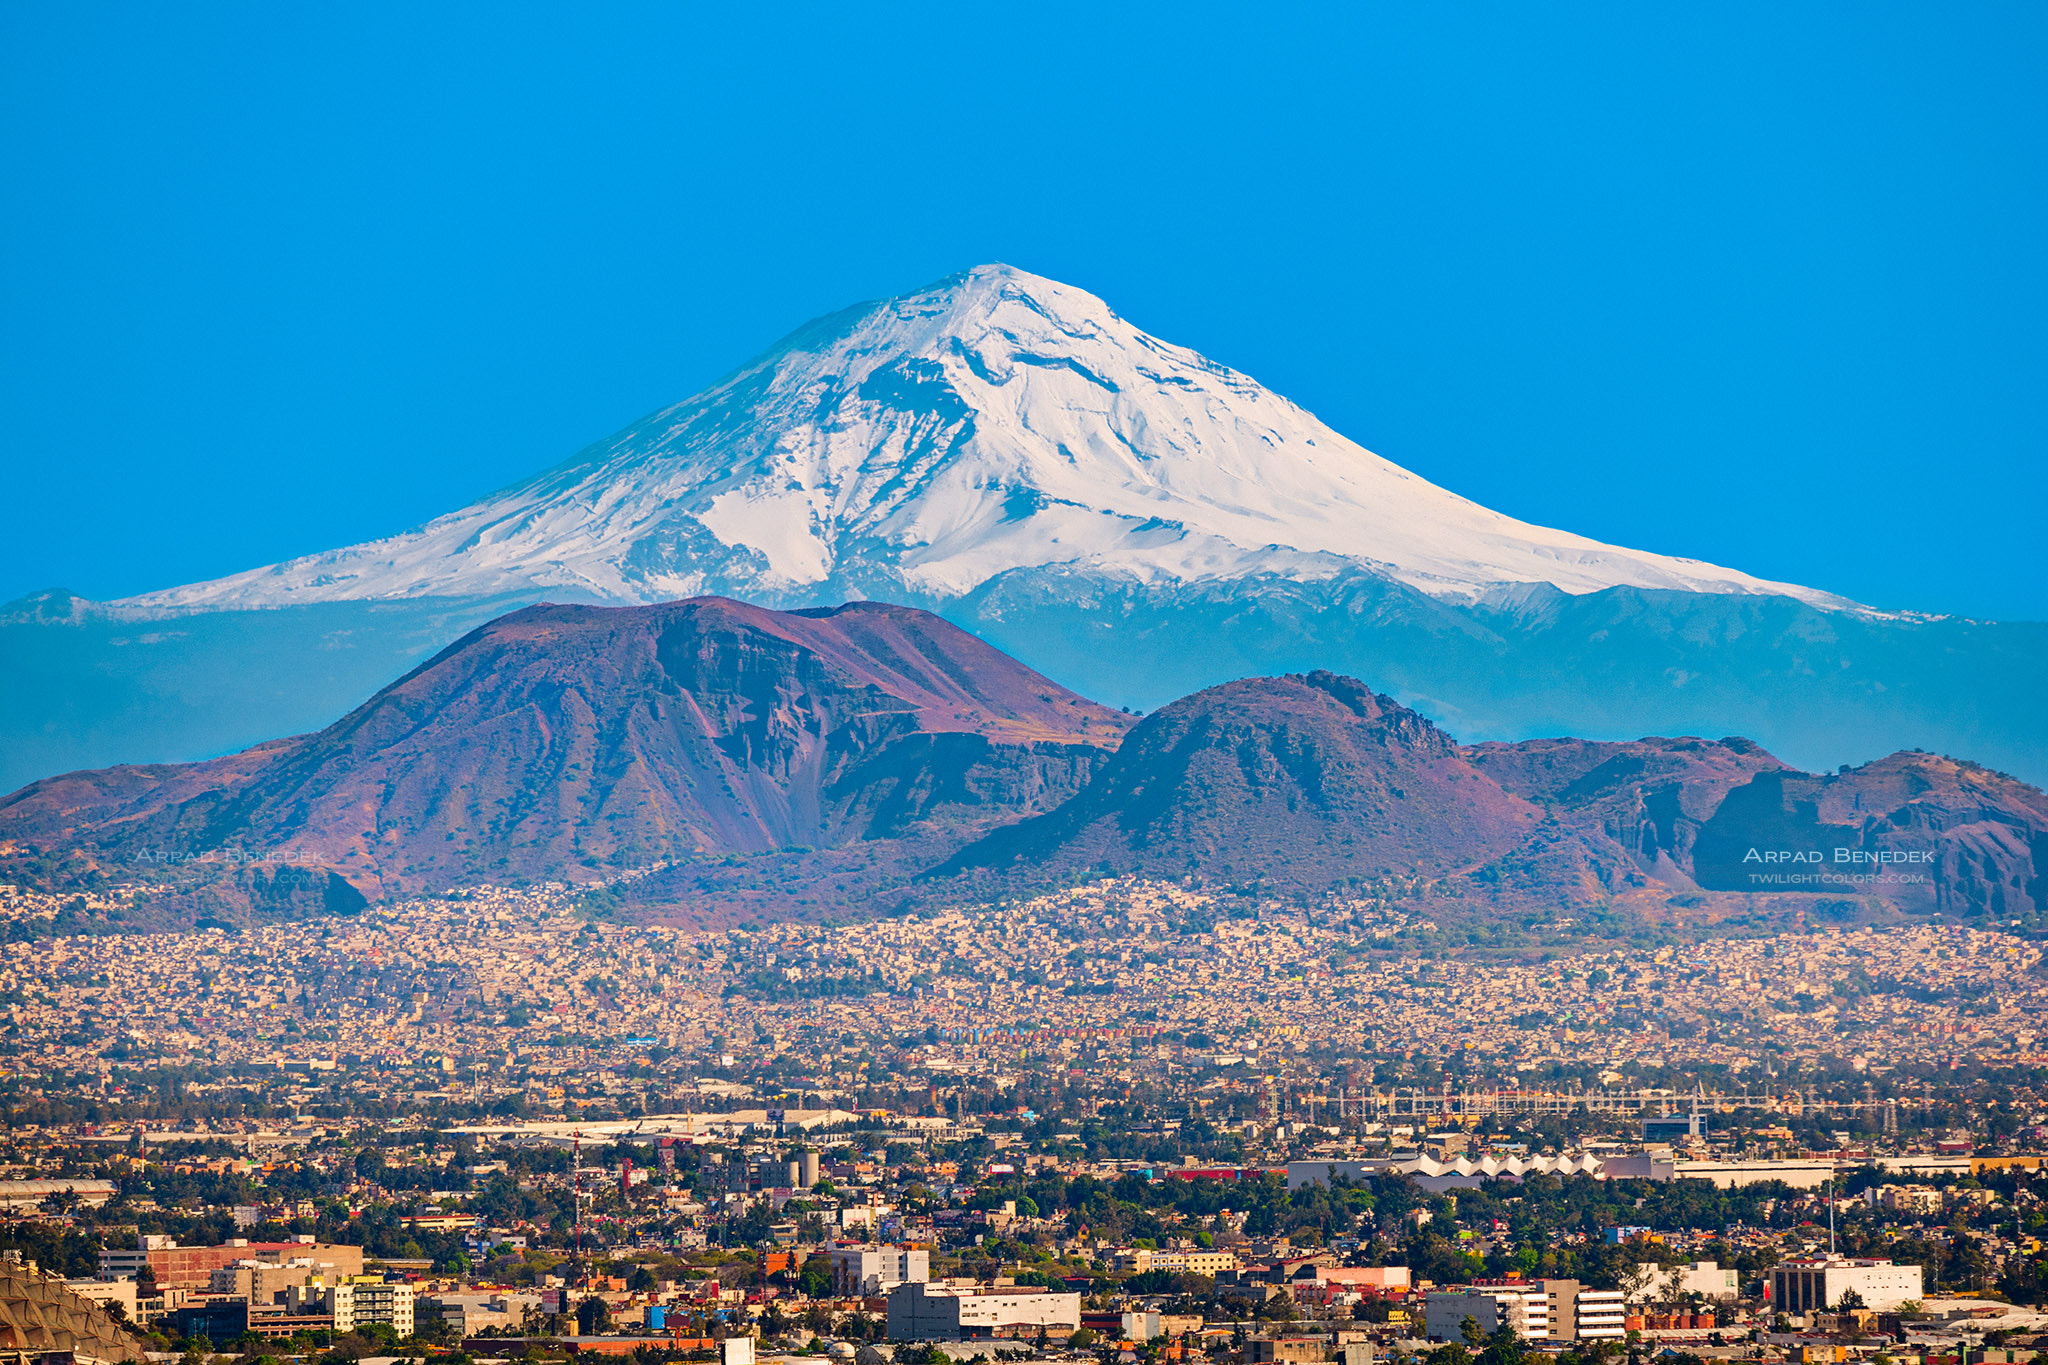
(1300,782)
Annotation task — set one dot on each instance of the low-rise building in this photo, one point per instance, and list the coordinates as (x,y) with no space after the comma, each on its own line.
(1581,1314)
(1518,1304)
(183,1267)
(1920,1199)
(869,1270)
(357,1300)
(921,1311)
(1817,1285)
(1377,1279)
(1175,1261)
(104,1292)
(1708,1279)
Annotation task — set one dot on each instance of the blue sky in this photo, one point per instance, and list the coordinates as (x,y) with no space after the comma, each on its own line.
(1760,285)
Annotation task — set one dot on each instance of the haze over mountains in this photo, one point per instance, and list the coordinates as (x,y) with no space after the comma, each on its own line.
(1117,512)
(749,764)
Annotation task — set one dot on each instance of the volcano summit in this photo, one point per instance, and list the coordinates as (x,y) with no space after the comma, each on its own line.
(917,448)
(1120,513)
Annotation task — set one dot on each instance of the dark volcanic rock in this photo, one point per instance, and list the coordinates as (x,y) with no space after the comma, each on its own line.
(868,757)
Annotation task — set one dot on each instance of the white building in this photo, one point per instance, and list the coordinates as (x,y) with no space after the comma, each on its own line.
(1816,1286)
(104,1292)
(1519,1304)
(919,1311)
(125,1263)
(1462,1173)
(1704,1278)
(29,1194)
(858,1271)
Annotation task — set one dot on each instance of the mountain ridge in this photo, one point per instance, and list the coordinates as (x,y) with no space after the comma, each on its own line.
(1112,510)
(570,742)
(735,763)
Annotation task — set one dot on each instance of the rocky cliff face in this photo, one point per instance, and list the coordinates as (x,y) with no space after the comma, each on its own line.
(1644,800)
(1928,833)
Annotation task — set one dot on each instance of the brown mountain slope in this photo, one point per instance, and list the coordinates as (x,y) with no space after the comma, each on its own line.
(1621,811)
(570,741)
(844,752)
(1297,783)
(1303,783)
(1922,832)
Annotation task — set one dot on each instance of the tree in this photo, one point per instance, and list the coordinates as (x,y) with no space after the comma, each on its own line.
(593,1315)
(1849,1302)
(1503,1347)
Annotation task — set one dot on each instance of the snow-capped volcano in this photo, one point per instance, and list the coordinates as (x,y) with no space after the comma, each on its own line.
(915,448)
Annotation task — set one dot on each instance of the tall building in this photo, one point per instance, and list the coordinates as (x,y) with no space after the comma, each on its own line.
(1817,1285)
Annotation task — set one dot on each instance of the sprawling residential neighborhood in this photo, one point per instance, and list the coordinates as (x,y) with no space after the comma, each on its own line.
(1130,1120)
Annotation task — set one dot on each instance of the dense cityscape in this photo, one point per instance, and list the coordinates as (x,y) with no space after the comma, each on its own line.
(1129,1120)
